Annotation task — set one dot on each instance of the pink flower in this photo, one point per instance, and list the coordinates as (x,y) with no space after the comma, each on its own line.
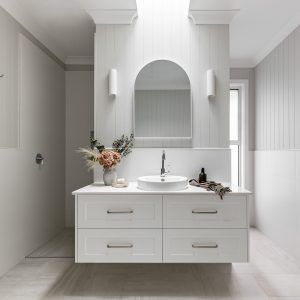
(109,158)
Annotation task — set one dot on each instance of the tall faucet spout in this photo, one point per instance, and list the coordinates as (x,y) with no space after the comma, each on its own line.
(163,158)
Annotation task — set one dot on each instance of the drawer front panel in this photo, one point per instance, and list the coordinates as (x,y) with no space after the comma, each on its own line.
(119,245)
(125,211)
(205,245)
(204,212)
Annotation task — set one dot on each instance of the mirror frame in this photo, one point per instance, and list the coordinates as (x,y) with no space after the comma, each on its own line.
(158,139)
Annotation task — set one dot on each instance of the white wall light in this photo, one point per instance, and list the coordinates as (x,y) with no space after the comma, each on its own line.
(211,83)
(113,82)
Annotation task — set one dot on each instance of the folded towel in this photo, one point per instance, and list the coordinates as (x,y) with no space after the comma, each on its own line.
(218,188)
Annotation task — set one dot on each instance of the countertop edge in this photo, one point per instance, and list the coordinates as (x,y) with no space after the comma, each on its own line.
(133,190)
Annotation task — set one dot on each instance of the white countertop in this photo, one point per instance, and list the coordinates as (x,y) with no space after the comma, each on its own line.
(100,188)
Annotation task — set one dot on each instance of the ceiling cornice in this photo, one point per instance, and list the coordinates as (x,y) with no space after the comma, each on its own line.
(242,63)
(79,60)
(272,44)
(22,17)
(111,11)
(112,16)
(210,17)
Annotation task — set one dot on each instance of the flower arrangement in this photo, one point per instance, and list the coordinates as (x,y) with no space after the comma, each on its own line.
(107,158)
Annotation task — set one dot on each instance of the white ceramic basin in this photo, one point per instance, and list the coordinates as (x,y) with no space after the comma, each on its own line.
(158,183)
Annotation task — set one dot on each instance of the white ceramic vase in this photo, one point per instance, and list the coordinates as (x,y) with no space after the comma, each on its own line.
(109,176)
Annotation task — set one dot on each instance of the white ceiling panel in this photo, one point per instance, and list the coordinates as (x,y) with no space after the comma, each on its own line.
(254,31)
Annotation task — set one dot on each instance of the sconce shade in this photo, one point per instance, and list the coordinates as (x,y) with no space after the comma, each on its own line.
(211,83)
(112,82)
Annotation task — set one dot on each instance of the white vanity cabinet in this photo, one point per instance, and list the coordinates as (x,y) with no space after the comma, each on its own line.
(131,225)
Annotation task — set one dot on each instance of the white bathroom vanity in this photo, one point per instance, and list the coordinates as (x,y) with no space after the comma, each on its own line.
(130,225)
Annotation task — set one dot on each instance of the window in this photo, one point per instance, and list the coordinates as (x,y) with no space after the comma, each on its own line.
(235,136)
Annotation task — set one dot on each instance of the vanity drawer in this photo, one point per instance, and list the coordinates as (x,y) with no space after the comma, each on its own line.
(124,211)
(204,211)
(119,245)
(205,245)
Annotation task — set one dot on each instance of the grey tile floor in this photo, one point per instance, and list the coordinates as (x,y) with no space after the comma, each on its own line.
(271,274)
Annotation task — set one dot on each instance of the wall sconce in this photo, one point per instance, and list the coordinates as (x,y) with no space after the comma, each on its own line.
(112,82)
(211,83)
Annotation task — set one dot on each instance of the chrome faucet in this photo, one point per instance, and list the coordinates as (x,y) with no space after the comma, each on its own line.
(162,170)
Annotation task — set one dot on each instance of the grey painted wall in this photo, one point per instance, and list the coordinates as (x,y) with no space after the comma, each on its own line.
(9,102)
(277,155)
(32,198)
(79,123)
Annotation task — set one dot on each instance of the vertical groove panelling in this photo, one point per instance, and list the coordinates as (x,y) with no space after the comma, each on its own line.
(291,90)
(163,31)
(277,97)
(297,88)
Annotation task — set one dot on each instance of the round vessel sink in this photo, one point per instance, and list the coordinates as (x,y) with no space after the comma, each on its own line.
(158,183)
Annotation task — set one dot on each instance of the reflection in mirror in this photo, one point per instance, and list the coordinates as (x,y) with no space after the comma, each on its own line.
(162,106)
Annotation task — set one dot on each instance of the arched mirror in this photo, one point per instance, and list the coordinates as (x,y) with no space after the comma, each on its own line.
(162,106)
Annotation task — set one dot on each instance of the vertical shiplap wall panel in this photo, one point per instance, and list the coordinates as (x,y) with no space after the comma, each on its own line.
(163,31)
(297,88)
(278,97)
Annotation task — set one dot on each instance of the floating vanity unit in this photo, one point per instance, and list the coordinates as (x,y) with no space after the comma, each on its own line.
(131,225)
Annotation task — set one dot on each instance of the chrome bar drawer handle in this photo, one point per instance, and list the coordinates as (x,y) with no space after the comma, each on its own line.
(119,246)
(205,246)
(204,211)
(130,211)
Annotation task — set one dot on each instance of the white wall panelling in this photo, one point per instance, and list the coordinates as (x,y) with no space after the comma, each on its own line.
(163,31)
(183,161)
(277,165)
(277,195)
(277,97)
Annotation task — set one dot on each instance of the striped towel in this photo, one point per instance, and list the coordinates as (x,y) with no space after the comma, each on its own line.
(218,188)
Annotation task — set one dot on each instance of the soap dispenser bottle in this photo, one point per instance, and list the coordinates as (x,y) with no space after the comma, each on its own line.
(202,176)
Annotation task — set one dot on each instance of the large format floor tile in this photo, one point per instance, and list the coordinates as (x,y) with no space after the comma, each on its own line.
(61,246)
(270,274)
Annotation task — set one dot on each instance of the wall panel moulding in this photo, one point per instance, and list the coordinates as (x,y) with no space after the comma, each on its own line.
(111,11)
(204,12)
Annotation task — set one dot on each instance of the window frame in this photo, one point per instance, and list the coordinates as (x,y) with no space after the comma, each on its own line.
(238,142)
(246,159)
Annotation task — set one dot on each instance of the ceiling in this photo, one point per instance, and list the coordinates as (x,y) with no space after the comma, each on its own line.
(65,22)
(259,27)
(256,29)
